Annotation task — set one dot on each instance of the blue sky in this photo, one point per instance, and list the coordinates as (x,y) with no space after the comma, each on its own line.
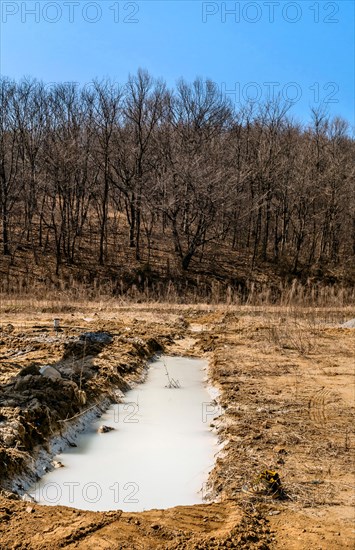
(303,50)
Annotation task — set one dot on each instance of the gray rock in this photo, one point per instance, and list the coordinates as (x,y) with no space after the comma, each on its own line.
(50,372)
(105,429)
(349,324)
(97,337)
(27,498)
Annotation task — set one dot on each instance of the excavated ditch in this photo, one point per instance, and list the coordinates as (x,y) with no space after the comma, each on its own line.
(153,450)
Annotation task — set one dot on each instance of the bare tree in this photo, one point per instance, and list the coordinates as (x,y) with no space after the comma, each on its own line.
(179,171)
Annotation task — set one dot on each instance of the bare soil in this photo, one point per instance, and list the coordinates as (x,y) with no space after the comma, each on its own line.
(286,380)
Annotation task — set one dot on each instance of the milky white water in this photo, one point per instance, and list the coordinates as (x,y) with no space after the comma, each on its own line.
(159,454)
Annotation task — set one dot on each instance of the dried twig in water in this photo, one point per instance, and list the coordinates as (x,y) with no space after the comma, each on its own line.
(171,382)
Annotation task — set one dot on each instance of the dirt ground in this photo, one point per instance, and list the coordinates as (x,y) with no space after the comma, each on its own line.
(286,380)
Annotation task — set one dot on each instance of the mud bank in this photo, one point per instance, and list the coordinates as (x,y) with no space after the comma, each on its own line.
(41,414)
(42,459)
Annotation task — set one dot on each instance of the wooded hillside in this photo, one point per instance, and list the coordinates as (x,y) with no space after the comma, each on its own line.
(140,183)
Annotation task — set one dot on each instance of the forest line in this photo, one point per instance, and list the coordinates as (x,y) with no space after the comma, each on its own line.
(141,165)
